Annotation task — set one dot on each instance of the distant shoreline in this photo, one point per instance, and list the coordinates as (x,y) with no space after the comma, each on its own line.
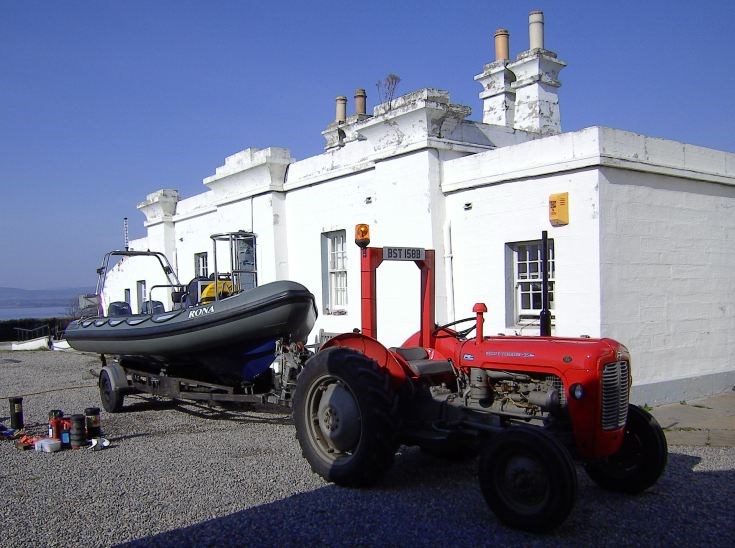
(32,312)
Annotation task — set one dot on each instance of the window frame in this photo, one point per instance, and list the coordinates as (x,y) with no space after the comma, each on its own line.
(523,268)
(201,259)
(335,299)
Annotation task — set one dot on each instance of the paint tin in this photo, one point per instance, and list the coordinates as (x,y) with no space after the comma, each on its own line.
(77,436)
(92,418)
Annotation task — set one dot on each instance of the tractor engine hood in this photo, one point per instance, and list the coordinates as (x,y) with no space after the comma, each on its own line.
(541,352)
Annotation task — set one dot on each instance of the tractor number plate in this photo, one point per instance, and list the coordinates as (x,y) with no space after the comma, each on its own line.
(404,254)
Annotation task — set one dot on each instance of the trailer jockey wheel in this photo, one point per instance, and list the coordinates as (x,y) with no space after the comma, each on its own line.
(345,417)
(528,479)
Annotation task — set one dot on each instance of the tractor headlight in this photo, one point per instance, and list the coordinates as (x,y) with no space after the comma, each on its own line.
(576,391)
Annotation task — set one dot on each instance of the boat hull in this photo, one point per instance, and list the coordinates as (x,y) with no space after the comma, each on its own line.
(221,336)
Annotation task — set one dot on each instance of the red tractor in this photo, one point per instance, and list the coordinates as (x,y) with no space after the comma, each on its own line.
(530,406)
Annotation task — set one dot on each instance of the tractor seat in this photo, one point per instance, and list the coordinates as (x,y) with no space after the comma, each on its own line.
(419,362)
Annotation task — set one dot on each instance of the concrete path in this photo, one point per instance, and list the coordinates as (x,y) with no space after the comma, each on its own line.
(707,421)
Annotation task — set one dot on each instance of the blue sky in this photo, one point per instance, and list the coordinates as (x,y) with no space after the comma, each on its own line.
(104,102)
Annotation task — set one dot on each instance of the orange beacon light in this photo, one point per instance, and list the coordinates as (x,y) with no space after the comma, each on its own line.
(362,235)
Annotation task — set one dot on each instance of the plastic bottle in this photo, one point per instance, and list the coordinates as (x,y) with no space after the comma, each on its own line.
(55,423)
(65,431)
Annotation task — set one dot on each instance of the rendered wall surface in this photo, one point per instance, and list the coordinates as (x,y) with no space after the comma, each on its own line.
(668,282)
(483,220)
(395,199)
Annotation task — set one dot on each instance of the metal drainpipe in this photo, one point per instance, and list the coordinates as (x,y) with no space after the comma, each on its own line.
(448,270)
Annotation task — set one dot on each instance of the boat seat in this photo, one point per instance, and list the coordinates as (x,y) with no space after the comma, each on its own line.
(153,307)
(419,362)
(177,296)
(191,296)
(119,308)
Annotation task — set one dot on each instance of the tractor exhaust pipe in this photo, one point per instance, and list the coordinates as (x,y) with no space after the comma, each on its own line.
(545,316)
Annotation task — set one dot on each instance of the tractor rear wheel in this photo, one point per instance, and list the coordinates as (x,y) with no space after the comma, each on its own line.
(528,479)
(640,460)
(345,417)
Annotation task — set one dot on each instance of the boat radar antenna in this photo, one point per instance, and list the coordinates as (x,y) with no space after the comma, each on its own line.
(125,231)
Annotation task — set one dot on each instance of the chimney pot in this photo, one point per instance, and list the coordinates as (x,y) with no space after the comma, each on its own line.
(536,29)
(502,38)
(341,110)
(360,101)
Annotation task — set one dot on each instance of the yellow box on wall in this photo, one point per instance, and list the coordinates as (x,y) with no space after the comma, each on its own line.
(559,209)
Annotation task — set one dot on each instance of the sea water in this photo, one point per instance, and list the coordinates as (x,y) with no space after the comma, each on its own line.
(37,312)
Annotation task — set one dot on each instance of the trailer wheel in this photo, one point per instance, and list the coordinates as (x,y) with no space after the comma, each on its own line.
(640,460)
(112,399)
(345,416)
(528,479)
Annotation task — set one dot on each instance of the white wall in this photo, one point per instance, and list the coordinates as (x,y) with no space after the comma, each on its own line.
(395,199)
(518,211)
(668,264)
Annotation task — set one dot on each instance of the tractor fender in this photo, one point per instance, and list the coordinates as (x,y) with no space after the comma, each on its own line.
(372,349)
(117,375)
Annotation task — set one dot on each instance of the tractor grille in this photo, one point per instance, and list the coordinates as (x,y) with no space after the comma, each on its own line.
(614,395)
(556,383)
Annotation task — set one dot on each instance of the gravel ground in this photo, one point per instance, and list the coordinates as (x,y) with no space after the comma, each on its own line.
(186,475)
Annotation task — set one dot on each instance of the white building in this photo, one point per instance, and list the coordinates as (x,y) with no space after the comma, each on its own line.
(646,256)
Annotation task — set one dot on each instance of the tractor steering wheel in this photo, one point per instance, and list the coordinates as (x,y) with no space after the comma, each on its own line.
(459,334)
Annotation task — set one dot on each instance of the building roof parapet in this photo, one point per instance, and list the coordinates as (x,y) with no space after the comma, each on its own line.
(249,159)
(249,172)
(587,148)
(159,206)
(412,118)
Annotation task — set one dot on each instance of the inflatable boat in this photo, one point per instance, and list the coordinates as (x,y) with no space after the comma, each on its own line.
(214,331)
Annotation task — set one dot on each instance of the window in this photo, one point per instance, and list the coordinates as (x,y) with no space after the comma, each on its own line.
(526,280)
(334,272)
(200,265)
(127,296)
(141,294)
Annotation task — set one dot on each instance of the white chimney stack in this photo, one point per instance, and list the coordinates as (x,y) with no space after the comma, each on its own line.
(536,83)
(498,99)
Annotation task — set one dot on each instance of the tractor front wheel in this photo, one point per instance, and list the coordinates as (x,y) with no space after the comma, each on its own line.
(528,479)
(640,460)
(345,417)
